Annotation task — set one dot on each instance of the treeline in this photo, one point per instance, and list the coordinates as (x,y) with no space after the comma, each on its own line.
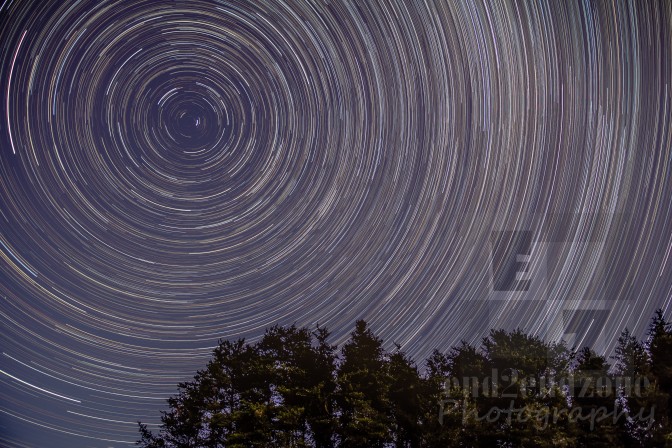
(294,389)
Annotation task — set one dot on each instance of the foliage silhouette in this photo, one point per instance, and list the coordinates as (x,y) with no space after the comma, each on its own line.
(294,389)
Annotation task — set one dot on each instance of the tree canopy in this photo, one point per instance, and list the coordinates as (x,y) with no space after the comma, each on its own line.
(294,389)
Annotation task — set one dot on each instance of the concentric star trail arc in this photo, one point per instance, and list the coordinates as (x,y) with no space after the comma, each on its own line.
(173,173)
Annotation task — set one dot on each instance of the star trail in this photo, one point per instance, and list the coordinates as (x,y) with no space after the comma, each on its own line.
(176,172)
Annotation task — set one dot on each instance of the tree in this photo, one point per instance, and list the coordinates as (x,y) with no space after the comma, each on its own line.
(524,373)
(465,394)
(659,348)
(635,397)
(439,420)
(292,389)
(228,400)
(631,357)
(594,402)
(362,393)
(404,396)
(303,384)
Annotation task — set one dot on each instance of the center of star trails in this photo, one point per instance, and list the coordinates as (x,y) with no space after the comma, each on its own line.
(191,124)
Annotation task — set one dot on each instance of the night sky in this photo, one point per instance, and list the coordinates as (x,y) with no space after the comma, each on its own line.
(176,172)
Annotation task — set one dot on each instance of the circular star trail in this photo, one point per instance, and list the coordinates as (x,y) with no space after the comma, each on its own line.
(177,172)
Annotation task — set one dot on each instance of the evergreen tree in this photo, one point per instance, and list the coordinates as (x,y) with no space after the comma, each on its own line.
(303,385)
(594,402)
(636,397)
(292,390)
(524,373)
(441,425)
(362,395)
(631,358)
(466,392)
(659,348)
(404,396)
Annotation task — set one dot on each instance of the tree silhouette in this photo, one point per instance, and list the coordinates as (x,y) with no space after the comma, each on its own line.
(363,387)
(293,389)
(659,348)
